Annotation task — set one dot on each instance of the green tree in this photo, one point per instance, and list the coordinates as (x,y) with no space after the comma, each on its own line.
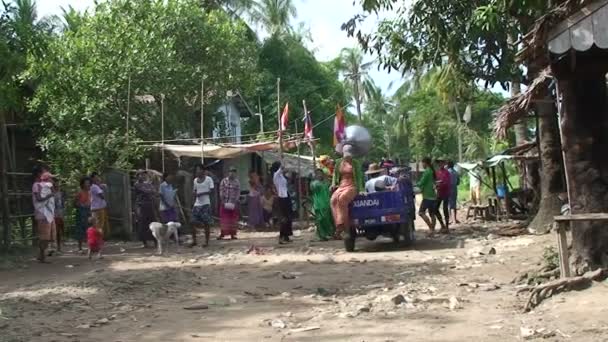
(164,49)
(302,78)
(355,73)
(478,40)
(274,15)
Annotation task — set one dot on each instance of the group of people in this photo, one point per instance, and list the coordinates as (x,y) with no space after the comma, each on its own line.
(334,187)
(331,201)
(49,210)
(439,188)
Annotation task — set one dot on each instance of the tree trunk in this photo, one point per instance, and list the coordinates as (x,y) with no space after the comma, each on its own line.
(584,125)
(552,180)
(521,130)
(357,93)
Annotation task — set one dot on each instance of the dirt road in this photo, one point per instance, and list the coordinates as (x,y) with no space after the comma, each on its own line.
(446,289)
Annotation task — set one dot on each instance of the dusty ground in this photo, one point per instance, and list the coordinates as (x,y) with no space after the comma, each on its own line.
(451,289)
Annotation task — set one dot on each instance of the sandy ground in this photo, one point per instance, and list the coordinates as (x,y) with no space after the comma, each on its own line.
(444,289)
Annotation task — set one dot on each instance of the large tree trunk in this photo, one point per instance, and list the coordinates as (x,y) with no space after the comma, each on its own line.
(552,180)
(585,143)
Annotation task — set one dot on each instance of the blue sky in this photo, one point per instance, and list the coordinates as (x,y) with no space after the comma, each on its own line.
(323,17)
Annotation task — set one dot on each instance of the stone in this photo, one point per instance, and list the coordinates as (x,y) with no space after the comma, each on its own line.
(492,251)
(364,308)
(398,299)
(84,326)
(288,276)
(323,292)
(527,333)
(103,321)
(278,324)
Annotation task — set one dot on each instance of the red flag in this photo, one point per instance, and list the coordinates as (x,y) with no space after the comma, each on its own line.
(308,127)
(284,118)
(339,126)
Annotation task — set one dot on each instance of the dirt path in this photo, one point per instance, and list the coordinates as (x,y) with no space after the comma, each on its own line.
(445,289)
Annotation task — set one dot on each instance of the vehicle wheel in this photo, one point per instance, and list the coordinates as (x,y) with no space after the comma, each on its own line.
(349,239)
(395,234)
(407,230)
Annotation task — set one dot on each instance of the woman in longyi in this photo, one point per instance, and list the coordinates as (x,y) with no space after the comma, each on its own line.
(347,183)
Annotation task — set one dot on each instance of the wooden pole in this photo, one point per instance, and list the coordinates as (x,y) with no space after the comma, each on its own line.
(312,144)
(494,185)
(202,121)
(299,194)
(279,118)
(12,166)
(6,236)
(504,184)
(162,129)
(128,109)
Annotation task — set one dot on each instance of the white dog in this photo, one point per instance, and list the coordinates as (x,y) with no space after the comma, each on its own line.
(163,232)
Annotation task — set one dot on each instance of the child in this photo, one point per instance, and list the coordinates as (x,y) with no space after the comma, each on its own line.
(94,239)
(267,203)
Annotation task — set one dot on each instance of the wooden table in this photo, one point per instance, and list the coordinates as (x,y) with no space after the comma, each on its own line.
(562,224)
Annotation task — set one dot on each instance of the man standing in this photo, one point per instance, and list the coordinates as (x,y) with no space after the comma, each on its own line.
(201,212)
(284,208)
(99,206)
(442,176)
(454,182)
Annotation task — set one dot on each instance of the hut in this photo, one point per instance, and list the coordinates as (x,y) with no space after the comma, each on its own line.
(571,42)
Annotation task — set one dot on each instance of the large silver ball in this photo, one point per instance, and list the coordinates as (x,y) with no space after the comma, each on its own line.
(359,138)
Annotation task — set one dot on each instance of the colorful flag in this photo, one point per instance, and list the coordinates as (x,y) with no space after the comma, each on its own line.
(284,118)
(308,127)
(339,126)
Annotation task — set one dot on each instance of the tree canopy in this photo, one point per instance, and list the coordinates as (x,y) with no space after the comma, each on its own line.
(165,49)
(302,78)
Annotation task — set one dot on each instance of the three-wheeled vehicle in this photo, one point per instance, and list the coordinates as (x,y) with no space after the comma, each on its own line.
(387,213)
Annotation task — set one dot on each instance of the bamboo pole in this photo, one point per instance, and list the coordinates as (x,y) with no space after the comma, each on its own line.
(162,129)
(312,145)
(128,109)
(202,121)
(6,233)
(13,166)
(299,195)
(279,118)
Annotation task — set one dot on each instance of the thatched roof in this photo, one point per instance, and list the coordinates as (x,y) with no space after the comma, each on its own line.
(518,106)
(535,41)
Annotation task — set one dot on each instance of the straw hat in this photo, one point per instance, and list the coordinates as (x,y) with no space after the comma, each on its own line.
(373,169)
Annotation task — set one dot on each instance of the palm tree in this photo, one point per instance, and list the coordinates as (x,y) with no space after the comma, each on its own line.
(355,74)
(383,110)
(274,15)
(72,19)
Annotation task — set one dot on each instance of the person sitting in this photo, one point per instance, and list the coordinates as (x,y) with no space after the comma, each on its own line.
(379,179)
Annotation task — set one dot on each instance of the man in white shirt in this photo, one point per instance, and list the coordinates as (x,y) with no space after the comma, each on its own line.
(201,212)
(284,203)
(379,179)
